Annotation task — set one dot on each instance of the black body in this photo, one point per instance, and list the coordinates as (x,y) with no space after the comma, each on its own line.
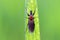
(31,24)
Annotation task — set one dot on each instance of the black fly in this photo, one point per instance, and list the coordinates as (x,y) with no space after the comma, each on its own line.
(31,24)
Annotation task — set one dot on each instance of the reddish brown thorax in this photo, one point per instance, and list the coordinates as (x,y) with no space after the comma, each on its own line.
(31,17)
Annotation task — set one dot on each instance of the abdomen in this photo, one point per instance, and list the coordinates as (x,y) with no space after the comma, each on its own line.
(31,26)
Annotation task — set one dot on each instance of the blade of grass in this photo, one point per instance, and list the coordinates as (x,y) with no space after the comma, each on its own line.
(32,5)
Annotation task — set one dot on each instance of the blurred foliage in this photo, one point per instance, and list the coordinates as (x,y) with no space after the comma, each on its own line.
(12,19)
(49,12)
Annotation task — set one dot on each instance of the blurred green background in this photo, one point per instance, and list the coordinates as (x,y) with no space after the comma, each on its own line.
(12,19)
(49,13)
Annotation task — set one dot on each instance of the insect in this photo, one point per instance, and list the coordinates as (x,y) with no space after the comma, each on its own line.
(31,24)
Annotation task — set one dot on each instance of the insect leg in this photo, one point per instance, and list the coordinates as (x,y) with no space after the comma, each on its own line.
(27,13)
(34,11)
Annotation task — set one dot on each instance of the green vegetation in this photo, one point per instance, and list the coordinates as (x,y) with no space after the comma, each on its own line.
(32,5)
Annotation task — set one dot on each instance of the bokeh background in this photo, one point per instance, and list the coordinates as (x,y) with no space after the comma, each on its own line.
(49,13)
(12,19)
